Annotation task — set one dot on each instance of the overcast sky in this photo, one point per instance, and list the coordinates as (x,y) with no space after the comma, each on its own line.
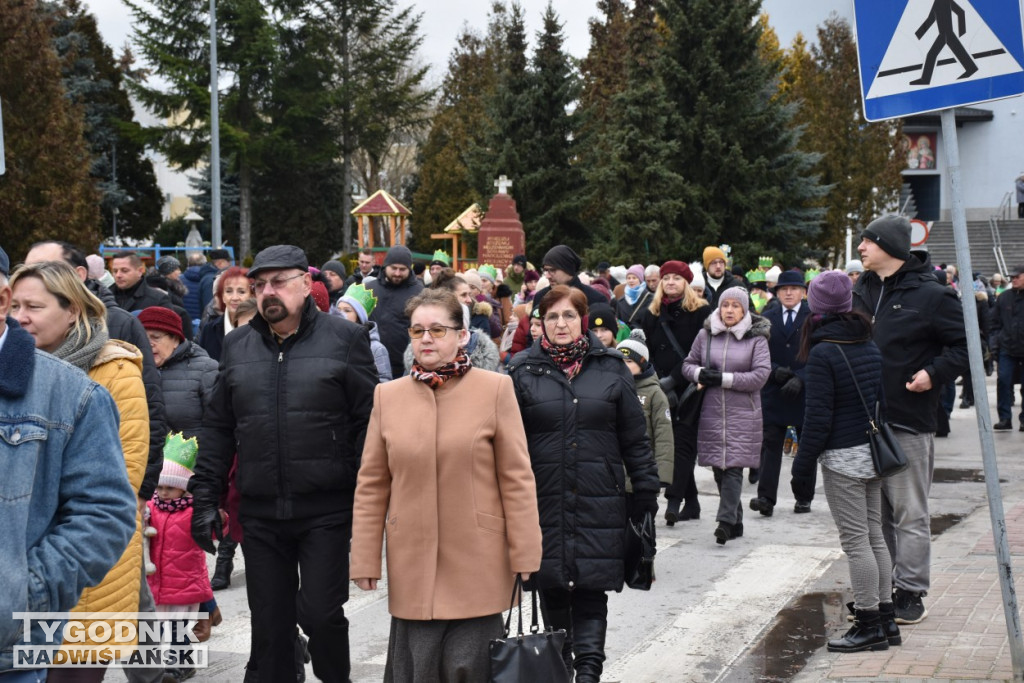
(443,19)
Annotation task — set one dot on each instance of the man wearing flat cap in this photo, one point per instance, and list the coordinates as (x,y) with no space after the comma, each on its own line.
(919,328)
(293,398)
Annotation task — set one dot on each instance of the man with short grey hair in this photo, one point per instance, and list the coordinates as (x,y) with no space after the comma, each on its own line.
(919,328)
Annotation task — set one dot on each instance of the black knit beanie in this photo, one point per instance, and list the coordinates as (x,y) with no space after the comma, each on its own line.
(562,258)
(892,234)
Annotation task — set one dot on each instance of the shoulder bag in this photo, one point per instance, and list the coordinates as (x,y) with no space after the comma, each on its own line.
(534,656)
(640,551)
(886,454)
(690,399)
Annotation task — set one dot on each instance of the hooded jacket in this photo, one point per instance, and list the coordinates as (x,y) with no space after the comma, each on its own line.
(583,437)
(188,377)
(918,325)
(389,314)
(729,434)
(192,278)
(296,414)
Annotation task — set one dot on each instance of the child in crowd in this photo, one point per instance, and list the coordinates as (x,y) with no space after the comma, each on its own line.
(653,401)
(180,582)
(356,305)
(606,326)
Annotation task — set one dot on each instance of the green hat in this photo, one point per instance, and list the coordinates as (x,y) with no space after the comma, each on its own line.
(810,274)
(755,276)
(180,450)
(488,272)
(441,258)
(361,299)
(765,262)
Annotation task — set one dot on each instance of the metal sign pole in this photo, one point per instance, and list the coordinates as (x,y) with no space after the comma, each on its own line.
(988,447)
(3,164)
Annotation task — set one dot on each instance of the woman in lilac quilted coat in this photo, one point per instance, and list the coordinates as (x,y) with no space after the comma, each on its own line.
(729,434)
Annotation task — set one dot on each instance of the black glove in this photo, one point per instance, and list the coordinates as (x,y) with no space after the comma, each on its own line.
(803,488)
(643,502)
(206,522)
(792,388)
(782,374)
(709,378)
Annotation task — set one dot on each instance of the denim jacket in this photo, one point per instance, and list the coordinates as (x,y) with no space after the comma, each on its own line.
(68,510)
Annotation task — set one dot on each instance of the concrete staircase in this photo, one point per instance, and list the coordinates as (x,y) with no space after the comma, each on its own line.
(941,247)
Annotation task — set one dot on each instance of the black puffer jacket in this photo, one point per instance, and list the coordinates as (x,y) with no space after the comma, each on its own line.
(389,314)
(918,325)
(834,416)
(141,296)
(296,413)
(580,434)
(124,326)
(712,294)
(1008,323)
(188,377)
(684,325)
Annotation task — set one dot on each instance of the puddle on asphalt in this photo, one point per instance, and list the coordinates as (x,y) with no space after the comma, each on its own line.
(941,523)
(800,629)
(949,475)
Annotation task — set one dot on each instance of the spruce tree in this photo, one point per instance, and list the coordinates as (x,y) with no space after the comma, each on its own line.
(47,192)
(745,181)
(638,184)
(548,189)
(93,79)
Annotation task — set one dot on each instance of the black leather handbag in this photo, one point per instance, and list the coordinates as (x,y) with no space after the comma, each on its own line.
(886,453)
(691,399)
(640,552)
(531,657)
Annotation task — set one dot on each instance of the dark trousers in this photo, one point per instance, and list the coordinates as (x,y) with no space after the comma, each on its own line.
(1004,383)
(730,487)
(278,555)
(772,439)
(683,485)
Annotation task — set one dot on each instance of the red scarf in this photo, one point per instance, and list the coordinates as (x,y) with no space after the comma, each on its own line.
(568,357)
(435,378)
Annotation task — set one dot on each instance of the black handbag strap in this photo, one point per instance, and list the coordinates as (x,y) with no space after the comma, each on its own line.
(517,592)
(856,385)
(672,340)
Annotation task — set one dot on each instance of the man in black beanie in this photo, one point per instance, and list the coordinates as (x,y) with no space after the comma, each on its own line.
(393,291)
(334,277)
(919,328)
(561,267)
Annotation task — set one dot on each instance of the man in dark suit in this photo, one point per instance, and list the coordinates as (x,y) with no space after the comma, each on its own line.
(782,398)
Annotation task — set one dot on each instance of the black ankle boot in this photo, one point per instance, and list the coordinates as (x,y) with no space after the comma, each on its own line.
(723,533)
(887,615)
(672,511)
(865,634)
(588,645)
(225,565)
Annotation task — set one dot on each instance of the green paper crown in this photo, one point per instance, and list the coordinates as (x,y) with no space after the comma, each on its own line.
(755,276)
(365,297)
(810,274)
(765,262)
(489,270)
(180,450)
(439,255)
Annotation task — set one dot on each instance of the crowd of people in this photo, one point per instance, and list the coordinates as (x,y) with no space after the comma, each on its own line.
(465,427)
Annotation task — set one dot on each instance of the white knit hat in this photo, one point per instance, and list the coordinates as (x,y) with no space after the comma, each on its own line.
(634,347)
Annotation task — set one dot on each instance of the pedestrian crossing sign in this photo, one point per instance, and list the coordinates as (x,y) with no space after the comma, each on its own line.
(925,55)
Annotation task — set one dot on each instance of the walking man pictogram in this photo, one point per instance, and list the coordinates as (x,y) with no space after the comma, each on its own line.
(942,16)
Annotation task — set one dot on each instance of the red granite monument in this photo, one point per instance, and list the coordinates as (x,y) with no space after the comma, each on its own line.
(501,233)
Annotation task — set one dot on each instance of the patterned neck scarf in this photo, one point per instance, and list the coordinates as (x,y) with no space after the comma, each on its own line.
(172,505)
(568,357)
(435,378)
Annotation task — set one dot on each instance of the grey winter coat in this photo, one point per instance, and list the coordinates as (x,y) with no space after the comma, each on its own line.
(729,434)
(187,378)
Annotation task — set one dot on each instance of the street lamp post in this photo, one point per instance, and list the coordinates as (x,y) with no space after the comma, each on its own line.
(215,235)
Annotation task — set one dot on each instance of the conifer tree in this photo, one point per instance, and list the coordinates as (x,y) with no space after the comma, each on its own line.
(93,79)
(46,192)
(638,184)
(745,181)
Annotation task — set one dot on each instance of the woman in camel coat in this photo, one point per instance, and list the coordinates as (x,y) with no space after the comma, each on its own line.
(446,472)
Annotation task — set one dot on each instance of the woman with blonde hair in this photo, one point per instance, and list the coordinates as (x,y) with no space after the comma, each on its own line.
(66,320)
(675,316)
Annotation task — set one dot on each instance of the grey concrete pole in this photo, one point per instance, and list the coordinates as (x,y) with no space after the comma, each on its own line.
(988,447)
(215,236)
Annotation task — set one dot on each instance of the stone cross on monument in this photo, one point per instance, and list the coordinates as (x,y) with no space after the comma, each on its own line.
(503,183)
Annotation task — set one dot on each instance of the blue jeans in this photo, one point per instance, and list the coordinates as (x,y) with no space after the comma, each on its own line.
(1004,383)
